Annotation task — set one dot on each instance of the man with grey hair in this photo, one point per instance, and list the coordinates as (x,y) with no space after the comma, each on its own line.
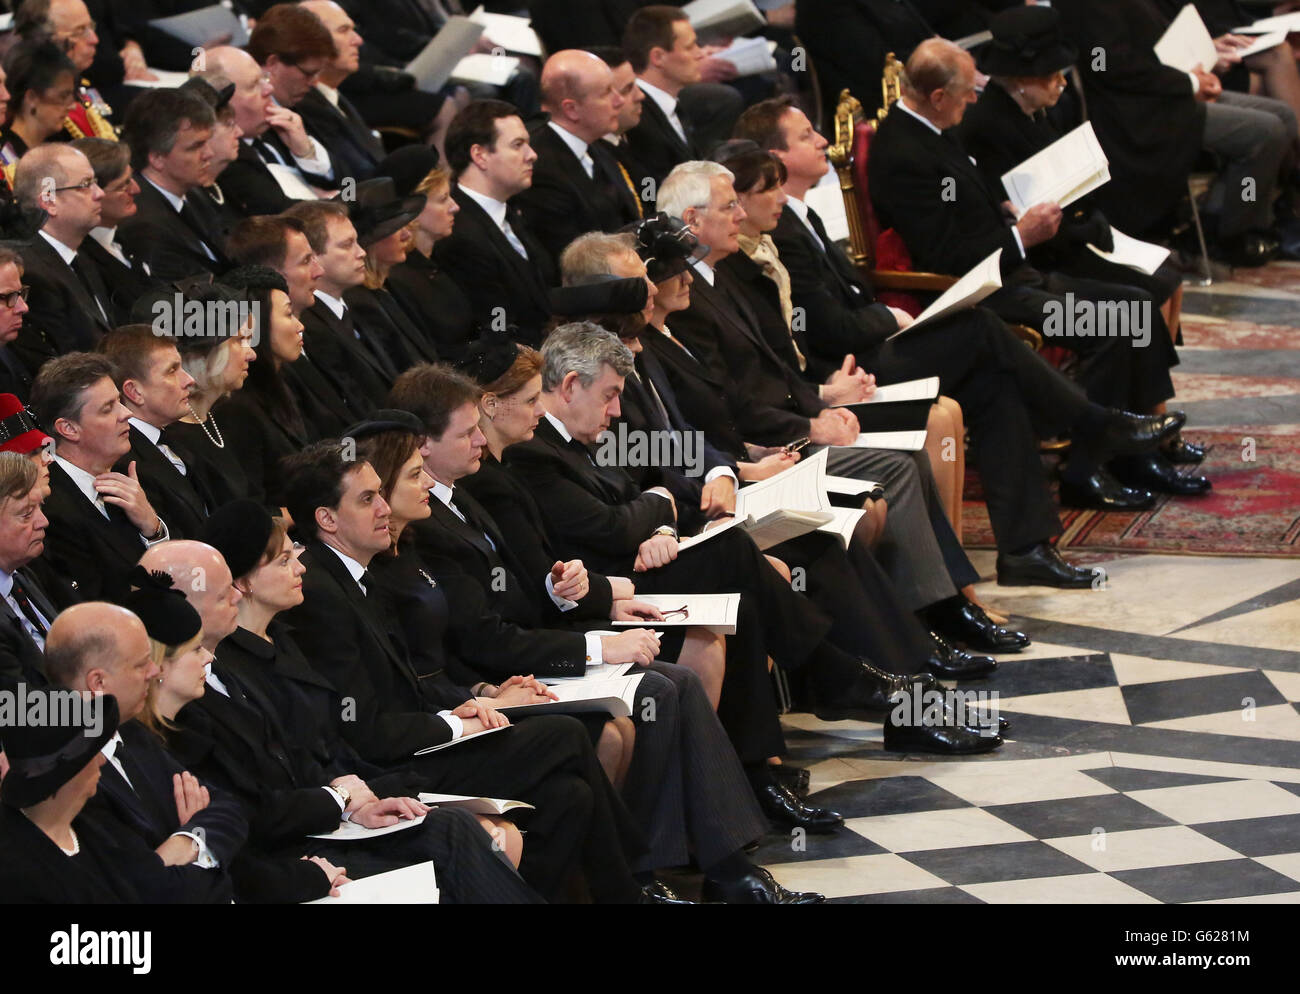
(598,513)
(70,305)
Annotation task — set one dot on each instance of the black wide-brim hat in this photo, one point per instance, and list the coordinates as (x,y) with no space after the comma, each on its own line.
(377,211)
(1027,41)
(42,758)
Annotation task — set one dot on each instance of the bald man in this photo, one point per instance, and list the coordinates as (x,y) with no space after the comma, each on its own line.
(195,830)
(272,136)
(578,184)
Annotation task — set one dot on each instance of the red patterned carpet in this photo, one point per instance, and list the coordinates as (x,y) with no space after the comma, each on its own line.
(1252,510)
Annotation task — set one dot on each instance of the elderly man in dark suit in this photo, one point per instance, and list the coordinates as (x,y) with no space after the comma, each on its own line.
(196,831)
(578,184)
(492,253)
(1007,392)
(69,300)
(174,229)
(15,378)
(25,612)
(100,519)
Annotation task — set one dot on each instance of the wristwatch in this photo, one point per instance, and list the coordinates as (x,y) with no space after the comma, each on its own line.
(343,793)
(666,530)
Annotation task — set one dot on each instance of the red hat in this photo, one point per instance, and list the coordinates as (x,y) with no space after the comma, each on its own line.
(19,431)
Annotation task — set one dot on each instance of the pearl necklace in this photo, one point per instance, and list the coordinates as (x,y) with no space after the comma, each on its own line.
(76,843)
(219,442)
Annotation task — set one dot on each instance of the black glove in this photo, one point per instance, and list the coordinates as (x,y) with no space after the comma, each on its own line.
(1084,227)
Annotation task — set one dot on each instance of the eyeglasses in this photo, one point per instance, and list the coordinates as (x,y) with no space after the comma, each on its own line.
(85,184)
(10,299)
(308,73)
(77,33)
(729,207)
(680,612)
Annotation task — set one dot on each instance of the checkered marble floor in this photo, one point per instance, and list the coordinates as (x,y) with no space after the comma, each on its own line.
(1153,756)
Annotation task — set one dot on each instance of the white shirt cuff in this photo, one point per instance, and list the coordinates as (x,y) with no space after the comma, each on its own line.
(1196,82)
(563,603)
(161,538)
(1015,233)
(595,655)
(454,723)
(318,162)
(717,471)
(660,492)
(204,859)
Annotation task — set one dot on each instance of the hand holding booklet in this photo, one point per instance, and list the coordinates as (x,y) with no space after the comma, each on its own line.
(1187,44)
(616,697)
(715,612)
(984,279)
(415,884)
(1071,167)
(474,805)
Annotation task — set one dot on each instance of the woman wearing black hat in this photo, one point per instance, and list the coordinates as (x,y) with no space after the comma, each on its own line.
(427,293)
(263,421)
(53,853)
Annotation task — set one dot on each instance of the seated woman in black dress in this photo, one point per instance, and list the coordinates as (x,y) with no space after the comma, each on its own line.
(420,604)
(218,360)
(425,292)
(263,421)
(42,84)
(53,852)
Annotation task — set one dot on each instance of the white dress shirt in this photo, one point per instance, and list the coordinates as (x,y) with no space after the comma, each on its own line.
(579,148)
(154,435)
(178,205)
(85,482)
(7,591)
(667,103)
(496,210)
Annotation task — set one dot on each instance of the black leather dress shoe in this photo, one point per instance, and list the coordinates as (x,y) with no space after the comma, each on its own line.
(1154,472)
(1102,492)
(1127,433)
(660,893)
(785,809)
(1182,452)
(757,887)
(951,740)
(1043,566)
(958,620)
(794,778)
(1252,249)
(950,663)
(871,690)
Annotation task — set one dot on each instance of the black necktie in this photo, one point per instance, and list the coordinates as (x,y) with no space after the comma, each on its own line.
(364,581)
(19,594)
(374,148)
(466,511)
(373,348)
(195,222)
(91,284)
(267,152)
(820,228)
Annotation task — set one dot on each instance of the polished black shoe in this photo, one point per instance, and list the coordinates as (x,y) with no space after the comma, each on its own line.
(1182,452)
(952,740)
(1154,472)
(958,620)
(871,690)
(1043,566)
(783,807)
(947,662)
(1126,433)
(794,778)
(660,893)
(1249,250)
(1102,492)
(757,887)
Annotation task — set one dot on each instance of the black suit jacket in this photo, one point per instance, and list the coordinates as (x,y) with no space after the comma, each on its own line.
(169,242)
(261,438)
(699,391)
(343,360)
(62,316)
(493,275)
(172,494)
(595,513)
(839,309)
(656,145)
(377,312)
(249,186)
(772,401)
(351,144)
(15,377)
(764,297)
(347,638)
(564,202)
(93,552)
(126,284)
(433,300)
(21,659)
(325,409)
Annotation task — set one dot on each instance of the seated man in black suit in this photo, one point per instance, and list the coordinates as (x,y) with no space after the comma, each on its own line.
(126,275)
(395,712)
(280,242)
(578,184)
(14,376)
(682,118)
(351,356)
(492,252)
(272,135)
(174,229)
(598,513)
(196,831)
(69,300)
(100,519)
(1008,394)
(328,114)
(926,187)
(629,116)
(155,389)
(26,613)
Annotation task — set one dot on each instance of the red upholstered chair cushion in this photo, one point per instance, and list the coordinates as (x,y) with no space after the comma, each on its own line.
(863,134)
(892,256)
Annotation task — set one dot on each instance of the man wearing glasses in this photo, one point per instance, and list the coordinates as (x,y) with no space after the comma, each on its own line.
(69,25)
(14,378)
(70,302)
